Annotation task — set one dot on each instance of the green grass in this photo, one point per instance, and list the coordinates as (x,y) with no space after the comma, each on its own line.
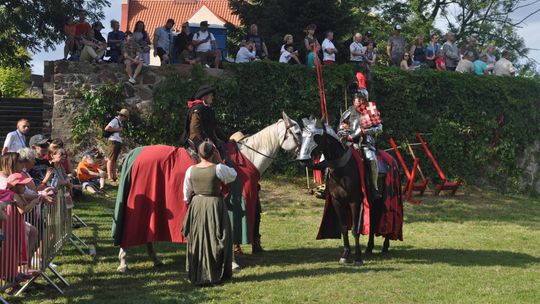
(477,247)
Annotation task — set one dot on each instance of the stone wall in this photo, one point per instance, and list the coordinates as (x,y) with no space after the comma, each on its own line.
(63,78)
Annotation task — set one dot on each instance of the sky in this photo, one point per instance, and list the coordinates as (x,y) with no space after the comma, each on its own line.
(529,32)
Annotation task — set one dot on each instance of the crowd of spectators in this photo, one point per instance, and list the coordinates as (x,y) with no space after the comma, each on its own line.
(85,42)
(32,173)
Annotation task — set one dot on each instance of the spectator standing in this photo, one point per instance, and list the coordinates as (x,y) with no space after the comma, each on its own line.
(260,46)
(132,57)
(504,67)
(41,171)
(70,30)
(491,58)
(287,39)
(406,62)
(114,41)
(465,65)
(9,164)
(93,49)
(90,174)
(470,48)
(17,139)
(371,54)
(451,52)
(246,53)
(311,56)
(329,50)
(440,61)
(188,55)
(206,45)
(182,39)
(289,56)
(432,50)
(356,49)
(82,25)
(367,39)
(480,65)
(140,35)
(396,47)
(310,42)
(418,52)
(115,142)
(163,38)
(56,144)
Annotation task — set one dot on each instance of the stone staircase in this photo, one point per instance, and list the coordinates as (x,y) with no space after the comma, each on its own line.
(13,109)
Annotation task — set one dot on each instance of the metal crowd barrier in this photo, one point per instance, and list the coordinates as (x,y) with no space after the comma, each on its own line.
(30,243)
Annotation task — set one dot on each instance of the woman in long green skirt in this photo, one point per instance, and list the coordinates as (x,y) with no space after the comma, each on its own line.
(207,227)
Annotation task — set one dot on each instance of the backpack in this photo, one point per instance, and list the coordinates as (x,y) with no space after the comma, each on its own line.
(106,134)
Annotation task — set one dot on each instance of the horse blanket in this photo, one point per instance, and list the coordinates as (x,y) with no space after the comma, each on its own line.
(150,205)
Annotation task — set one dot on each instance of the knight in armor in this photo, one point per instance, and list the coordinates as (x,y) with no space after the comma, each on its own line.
(201,123)
(359,125)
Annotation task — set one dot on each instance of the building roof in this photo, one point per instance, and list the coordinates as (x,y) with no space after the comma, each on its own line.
(155,13)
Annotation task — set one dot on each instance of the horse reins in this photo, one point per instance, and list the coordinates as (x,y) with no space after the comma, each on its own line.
(287,131)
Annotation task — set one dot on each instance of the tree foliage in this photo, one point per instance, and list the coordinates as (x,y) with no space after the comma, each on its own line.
(14,81)
(34,25)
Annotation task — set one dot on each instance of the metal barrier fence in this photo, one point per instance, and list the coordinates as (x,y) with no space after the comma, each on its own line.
(30,242)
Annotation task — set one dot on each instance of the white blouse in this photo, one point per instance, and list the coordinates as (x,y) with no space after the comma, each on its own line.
(225,174)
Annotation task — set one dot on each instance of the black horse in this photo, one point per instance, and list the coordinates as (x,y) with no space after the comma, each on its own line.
(344,191)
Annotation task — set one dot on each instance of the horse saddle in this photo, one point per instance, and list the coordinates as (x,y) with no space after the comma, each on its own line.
(238,136)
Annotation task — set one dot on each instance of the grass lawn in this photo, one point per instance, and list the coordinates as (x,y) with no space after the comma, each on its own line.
(476,247)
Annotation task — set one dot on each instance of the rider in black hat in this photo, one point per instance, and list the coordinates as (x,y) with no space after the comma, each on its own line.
(201,121)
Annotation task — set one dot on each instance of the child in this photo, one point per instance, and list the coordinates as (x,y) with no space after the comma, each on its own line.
(440,61)
(311,57)
(70,28)
(90,174)
(289,55)
(188,55)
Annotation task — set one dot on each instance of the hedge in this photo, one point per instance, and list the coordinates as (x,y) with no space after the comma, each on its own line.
(480,124)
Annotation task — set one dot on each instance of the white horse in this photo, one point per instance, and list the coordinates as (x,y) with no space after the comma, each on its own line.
(261,149)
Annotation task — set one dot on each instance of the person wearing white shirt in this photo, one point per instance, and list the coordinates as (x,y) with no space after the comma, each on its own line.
(16,140)
(246,53)
(289,55)
(115,142)
(329,50)
(205,45)
(357,49)
(287,39)
(209,251)
(504,67)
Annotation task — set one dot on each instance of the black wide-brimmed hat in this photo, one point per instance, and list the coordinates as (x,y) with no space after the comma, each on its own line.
(203,91)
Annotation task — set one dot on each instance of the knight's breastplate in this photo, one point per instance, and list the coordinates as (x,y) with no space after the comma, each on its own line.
(355,124)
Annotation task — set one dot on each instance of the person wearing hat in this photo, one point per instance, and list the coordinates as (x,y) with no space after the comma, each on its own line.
(206,45)
(42,170)
(163,39)
(115,142)
(201,123)
(17,139)
(396,47)
(90,174)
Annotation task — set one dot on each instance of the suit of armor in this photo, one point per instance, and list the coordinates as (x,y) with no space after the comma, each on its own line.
(362,138)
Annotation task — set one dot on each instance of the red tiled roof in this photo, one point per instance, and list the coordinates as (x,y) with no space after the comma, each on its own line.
(155,13)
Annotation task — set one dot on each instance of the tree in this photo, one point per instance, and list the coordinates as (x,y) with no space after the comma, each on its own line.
(35,25)
(14,81)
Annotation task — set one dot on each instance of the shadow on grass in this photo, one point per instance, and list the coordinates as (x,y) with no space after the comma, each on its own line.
(464,257)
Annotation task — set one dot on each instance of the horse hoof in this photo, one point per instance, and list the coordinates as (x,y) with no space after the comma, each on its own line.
(385,251)
(159,264)
(236,268)
(344,261)
(359,263)
(369,251)
(122,269)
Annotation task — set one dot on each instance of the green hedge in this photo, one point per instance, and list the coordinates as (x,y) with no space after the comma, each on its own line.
(480,125)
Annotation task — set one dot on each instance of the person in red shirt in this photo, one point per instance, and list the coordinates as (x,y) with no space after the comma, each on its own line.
(440,63)
(82,25)
(70,30)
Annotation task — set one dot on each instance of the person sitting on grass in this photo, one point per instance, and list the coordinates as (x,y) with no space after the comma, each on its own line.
(90,174)
(132,57)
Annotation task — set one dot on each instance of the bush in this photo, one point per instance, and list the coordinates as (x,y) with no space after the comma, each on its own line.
(480,125)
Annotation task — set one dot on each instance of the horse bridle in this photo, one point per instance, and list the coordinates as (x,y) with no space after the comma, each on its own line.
(288,131)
